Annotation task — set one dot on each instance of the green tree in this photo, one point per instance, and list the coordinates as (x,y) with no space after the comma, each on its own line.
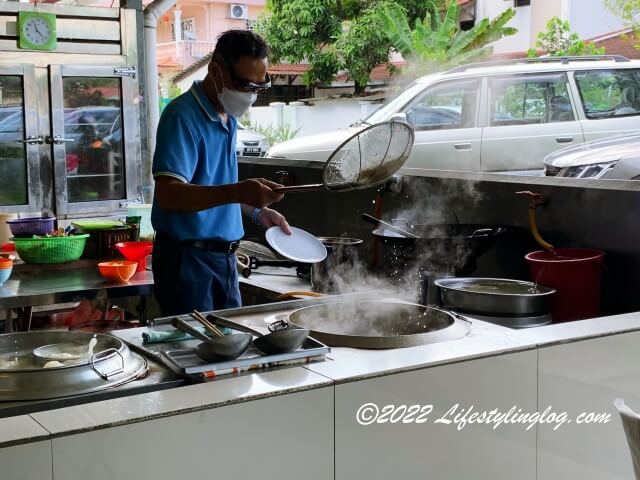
(331,35)
(558,41)
(437,43)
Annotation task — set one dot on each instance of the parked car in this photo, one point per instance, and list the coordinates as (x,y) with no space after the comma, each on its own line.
(611,158)
(250,143)
(501,116)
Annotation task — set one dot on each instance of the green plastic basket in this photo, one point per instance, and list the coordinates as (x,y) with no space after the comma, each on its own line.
(50,250)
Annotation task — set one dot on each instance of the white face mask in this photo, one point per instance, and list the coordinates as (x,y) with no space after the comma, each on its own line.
(234,102)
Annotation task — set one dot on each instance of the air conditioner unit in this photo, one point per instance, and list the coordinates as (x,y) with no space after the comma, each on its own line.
(238,11)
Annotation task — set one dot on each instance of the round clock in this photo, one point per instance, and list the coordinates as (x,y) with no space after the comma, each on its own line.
(37,31)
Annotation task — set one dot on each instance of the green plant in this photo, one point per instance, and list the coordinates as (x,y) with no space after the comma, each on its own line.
(276,134)
(437,43)
(331,35)
(558,41)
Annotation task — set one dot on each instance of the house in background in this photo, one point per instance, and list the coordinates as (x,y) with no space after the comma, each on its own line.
(188,31)
(588,18)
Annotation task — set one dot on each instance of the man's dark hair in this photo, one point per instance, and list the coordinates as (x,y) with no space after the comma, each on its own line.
(234,44)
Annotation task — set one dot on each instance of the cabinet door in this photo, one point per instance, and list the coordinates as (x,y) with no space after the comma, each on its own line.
(586,377)
(94,137)
(21,188)
(31,461)
(287,437)
(434,450)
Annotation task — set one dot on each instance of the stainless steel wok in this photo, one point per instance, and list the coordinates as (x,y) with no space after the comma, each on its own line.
(379,324)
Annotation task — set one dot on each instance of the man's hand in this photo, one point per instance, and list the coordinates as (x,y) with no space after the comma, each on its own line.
(270,218)
(258,192)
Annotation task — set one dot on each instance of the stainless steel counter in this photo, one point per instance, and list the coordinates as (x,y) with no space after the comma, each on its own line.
(26,289)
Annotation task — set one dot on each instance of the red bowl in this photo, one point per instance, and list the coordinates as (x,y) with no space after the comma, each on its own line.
(118,271)
(136,251)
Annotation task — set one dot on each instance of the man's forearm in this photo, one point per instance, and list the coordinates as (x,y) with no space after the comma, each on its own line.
(186,197)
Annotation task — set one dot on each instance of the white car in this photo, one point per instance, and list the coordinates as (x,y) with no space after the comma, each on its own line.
(250,143)
(501,116)
(610,158)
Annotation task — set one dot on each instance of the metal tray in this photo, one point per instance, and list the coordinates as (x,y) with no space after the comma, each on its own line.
(186,362)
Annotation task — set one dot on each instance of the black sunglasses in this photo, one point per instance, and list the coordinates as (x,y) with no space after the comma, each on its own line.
(247,85)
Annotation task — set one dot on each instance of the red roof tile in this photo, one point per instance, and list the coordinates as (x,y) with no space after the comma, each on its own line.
(288,68)
(619,43)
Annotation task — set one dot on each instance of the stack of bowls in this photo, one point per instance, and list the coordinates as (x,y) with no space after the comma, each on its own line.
(6,266)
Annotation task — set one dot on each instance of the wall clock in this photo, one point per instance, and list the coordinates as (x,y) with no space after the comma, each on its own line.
(37,31)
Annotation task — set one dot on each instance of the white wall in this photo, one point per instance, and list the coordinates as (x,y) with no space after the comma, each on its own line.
(321,117)
(590,18)
(522,21)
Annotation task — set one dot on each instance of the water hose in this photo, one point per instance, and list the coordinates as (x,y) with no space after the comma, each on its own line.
(535,201)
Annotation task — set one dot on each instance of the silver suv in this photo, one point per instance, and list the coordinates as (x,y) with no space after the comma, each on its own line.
(502,116)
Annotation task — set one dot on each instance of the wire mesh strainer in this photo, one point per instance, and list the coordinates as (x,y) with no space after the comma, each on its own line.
(366,159)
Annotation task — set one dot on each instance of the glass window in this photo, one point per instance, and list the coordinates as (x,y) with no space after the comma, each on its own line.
(13,162)
(526,99)
(93,123)
(609,93)
(448,105)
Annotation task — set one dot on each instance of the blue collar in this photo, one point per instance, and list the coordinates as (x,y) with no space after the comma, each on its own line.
(198,92)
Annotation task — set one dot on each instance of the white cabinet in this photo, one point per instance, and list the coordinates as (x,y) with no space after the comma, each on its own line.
(282,437)
(586,377)
(436,450)
(31,461)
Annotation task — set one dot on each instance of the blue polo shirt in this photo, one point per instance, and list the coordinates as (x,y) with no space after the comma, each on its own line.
(194,146)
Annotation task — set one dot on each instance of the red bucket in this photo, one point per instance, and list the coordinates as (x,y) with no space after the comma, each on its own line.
(575,274)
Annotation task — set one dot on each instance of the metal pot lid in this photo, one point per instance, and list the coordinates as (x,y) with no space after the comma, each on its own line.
(494,286)
(23,376)
(379,324)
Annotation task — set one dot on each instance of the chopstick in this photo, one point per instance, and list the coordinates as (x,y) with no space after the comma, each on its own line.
(206,323)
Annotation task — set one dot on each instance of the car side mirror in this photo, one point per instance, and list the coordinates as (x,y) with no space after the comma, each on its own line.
(400,116)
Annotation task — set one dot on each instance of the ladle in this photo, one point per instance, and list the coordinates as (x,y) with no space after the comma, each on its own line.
(280,341)
(216,349)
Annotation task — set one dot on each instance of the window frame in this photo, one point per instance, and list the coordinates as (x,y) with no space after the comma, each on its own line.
(405,109)
(540,75)
(582,100)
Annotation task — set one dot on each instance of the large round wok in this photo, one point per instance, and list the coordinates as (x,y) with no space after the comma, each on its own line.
(441,247)
(379,324)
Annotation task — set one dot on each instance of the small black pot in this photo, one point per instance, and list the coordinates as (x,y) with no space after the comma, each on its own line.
(341,251)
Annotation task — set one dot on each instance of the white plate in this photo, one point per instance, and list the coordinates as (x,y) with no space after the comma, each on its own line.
(300,246)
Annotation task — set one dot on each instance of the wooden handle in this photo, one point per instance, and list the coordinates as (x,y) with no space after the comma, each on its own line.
(314,187)
(288,295)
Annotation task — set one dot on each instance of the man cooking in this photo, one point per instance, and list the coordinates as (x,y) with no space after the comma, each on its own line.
(199,203)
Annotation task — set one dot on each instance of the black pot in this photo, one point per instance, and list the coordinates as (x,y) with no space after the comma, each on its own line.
(341,252)
(450,248)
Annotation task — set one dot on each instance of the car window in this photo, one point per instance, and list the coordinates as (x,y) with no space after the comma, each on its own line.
(527,99)
(609,93)
(394,104)
(447,105)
